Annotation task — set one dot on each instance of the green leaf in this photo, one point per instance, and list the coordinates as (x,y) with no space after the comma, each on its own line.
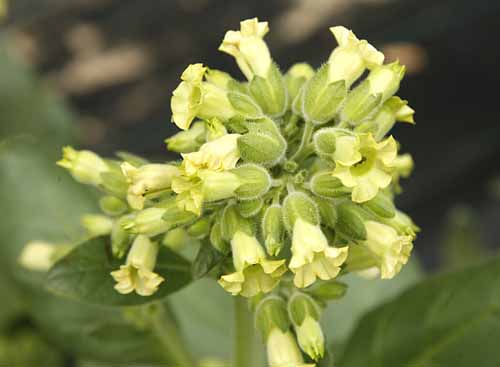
(448,320)
(84,274)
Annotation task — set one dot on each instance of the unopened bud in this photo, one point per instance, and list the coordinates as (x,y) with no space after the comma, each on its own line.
(219,185)
(350,223)
(327,290)
(385,79)
(263,144)
(120,238)
(323,184)
(250,208)
(327,212)
(38,256)
(187,141)
(96,224)
(111,205)
(271,313)
(85,166)
(325,142)
(255,181)
(403,164)
(273,229)
(216,239)
(381,205)
(232,222)
(148,222)
(296,76)
(299,205)
(244,105)
(270,92)
(322,98)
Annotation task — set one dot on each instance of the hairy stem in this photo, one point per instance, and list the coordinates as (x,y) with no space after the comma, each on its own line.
(243,333)
(168,334)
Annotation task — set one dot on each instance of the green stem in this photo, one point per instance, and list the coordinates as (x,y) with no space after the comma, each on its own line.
(243,333)
(306,137)
(168,334)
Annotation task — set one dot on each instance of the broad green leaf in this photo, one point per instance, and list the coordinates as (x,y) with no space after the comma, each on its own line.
(206,259)
(447,320)
(84,274)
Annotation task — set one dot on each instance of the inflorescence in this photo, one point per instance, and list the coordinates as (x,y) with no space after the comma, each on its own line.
(291,176)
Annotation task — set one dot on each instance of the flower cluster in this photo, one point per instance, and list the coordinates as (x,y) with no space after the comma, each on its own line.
(291,176)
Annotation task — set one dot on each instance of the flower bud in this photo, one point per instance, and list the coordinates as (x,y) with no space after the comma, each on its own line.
(250,208)
(96,224)
(216,239)
(327,212)
(263,144)
(323,184)
(394,109)
(385,79)
(296,76)
(148,222)
(273,229)
(215,129)
(231,222)
(322,98)
(175,215)
(381,205)
(270,92)
(271,313)
(403,165)
(329,290)
(299,205)
(188,140)
(120,238)
(137,273)
(38,256)
(248,48)
(85,166)
(282,350)
(112,205)
(350,223)
(147,180)
(349,60)
(244,105)
(219,185)
(255,181)
(200,229)
(304,313)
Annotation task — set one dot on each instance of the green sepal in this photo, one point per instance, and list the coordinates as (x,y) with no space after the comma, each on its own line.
(244,105)
(381,205)
(350,223)
(271,312)
(327,290)
(273,229)
(255,179)
(327,212)
(301,305)
(323,184)
(250,208)
(270,93)
(299,205)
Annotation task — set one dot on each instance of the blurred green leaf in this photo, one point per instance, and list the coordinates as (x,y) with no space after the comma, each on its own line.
(447,320)
(84,274)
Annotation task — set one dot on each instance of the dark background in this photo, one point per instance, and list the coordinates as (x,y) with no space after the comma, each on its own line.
(116,63)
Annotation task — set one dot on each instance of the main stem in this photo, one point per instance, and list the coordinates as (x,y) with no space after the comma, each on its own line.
(243,333)
(168,334)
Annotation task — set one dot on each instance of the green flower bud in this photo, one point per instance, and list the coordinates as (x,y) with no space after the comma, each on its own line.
(273,229)
(322,99)
(85,166)
(296,76)
(232,221)
(112,205)
(385,79)
(304,313)
(381,205)
(188,140)
(96,224)
(350,223)
(200,228)
(325,142)
(327,290)
(216,239)
(215,129)
(270,92)
(114,181)
(271,313)
(299,205)
(250,208)
(327,212)
(219,185)
(255,181)
(394,109)
(263,144)
(120,238)
(323,184)
(282,350)
(177,239)
(244,105)
(175,215)
(147,222)
(403,164)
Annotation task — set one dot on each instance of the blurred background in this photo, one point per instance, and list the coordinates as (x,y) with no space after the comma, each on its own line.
(99,74)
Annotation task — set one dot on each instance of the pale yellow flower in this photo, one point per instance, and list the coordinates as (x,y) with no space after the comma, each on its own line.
(311,338)
(137,273)
(85,166)
(312,257)
(282,350)
(38,256)
(372,172)
(247,46)
(254,273)
(352,56)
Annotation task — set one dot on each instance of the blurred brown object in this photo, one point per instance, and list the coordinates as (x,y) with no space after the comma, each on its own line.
(413,56)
